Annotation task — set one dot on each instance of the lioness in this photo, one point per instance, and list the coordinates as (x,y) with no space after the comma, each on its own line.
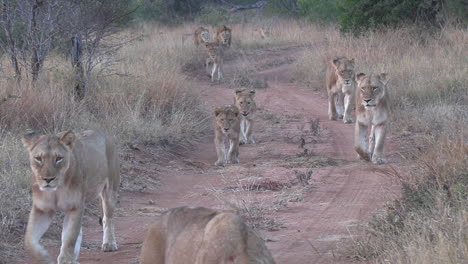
(244,100)
(341,87)
(227,127)
(216,58)
(202,35)
(224,35)
(202,236)
(67,170)
(371,110)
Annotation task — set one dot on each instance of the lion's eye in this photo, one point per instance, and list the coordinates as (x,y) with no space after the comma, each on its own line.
(248,103)
(58,159)
(38,159)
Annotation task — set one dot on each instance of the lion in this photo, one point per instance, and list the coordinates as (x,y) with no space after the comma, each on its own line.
(202,35)
(69,169)
(202,236)
(216,58)
(341,87)
(224,35)
(263,33)
(371,110)
(227,127)
(244,100)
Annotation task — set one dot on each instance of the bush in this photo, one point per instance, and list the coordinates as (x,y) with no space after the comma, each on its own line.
(360,15)
(320,10)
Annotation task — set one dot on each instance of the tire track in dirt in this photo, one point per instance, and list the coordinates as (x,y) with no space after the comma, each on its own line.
(314,229)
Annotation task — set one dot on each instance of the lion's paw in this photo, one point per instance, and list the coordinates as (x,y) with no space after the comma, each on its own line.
(219,163)
(378,160)
(109,247)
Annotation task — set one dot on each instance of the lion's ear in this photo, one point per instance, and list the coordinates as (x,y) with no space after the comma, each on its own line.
(336,62)
(29,138)
(238,91)
(67,138)
(383,78)
(252,93)
(360,76)
(218,111)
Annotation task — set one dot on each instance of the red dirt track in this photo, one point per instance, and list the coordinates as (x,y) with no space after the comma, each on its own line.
(311,224)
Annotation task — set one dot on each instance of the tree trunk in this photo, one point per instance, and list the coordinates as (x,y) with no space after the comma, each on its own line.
(35,61)
(80,89)
(6,21)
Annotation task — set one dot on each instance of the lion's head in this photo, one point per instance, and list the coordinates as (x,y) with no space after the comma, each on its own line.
(371,88)
(205,35)
(227,118)
(49,157)
(223,35)
(344,69)
(244,100)
(202,35)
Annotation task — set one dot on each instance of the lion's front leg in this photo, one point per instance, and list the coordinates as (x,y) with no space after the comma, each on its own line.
(243,127)
(379,133)
(249,131)
(339,104)
(233,154)
(71,237)
(360,134)
(331,106)
(348,108)
(220,150)
(38,223)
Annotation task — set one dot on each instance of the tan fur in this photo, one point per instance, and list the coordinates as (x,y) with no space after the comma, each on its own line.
(216,58)
(224,35)
(341,87)
(371,110)
(67,170)
(202,236)
(227,127)
(202,35)
(263,33)
(244,99)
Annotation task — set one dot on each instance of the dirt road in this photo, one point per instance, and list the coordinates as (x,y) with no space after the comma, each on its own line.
(303,220)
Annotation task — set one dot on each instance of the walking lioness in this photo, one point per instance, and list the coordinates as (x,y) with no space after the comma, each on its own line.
(67,170)
(341,87)
(202,236)
(244,100)
(227,127)
(371,110)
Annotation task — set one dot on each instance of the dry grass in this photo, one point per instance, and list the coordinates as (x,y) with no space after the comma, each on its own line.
(429,224)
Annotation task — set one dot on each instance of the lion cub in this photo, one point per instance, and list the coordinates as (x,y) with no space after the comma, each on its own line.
(69,169)
(371,110)
(341,87)
(227,127)
(202,236)
(244,100)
